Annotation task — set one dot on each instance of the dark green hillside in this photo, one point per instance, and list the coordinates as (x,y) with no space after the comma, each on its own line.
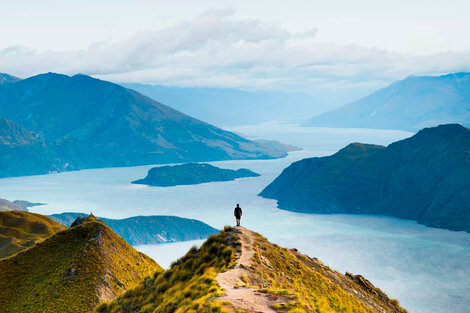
(89,123)
(425,178)
(191,174)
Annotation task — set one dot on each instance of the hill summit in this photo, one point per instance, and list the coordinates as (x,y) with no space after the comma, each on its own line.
(72,271)
(240,271)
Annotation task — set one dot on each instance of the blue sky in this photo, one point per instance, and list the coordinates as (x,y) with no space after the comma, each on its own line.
(313,46)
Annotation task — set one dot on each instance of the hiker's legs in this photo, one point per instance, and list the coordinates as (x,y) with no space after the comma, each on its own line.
(238,222)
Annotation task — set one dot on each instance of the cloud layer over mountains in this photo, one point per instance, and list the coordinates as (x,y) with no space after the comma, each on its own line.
(218,49)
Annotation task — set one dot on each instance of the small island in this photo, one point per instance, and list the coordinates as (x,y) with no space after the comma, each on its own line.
(191,174)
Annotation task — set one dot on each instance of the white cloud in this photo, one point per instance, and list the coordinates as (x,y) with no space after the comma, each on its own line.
(217,49)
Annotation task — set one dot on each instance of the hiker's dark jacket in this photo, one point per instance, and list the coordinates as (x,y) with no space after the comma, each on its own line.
(238,212)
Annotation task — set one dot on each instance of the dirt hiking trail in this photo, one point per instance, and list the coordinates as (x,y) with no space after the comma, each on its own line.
(242,298)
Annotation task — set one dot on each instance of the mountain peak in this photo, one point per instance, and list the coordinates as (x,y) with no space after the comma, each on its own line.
(240,271)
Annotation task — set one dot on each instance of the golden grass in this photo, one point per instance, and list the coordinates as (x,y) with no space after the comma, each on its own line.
(71,271)
(189,286)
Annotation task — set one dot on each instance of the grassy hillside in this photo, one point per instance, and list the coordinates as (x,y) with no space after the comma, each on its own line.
(190,285)
(313,286)
(20,230)
(72,271)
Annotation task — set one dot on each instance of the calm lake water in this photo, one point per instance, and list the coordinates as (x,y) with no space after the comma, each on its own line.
(426,269)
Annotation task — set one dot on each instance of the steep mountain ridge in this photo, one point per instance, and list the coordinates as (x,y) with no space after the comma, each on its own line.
(89,123)
(425,178)
(72,271)
(240,271)
(409,104)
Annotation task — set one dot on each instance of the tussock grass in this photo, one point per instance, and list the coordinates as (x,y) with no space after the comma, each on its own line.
(188,286)
(71,271)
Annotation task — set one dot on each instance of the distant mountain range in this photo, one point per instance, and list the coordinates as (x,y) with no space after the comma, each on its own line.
(53,122)
(424,178)
(232,107)
(141,230)
(191,174)
(409,104)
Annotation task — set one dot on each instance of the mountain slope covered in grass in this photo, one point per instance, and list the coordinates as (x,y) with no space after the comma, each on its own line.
(424,178)
(410,104)
(258,277)
(72,271)
(20,230)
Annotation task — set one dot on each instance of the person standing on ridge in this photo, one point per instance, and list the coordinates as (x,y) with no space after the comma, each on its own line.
(238,214)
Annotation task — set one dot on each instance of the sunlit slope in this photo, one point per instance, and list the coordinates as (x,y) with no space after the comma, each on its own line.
(20,230)
(260,273)
(72,271)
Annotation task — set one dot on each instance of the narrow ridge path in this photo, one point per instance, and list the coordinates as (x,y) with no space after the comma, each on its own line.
(246,299)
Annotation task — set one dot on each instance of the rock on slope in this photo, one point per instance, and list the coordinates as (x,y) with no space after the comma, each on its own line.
(240,271)
(72,271)
(140,230)
(20,230)
(89,123)
(191,174)
(424,178)
(409,104)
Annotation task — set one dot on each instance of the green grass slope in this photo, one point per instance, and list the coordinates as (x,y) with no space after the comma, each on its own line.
(20,230)
(313,286)
(72,271)
(190,285)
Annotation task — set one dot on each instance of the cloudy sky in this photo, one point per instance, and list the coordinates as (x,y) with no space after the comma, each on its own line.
(336,46)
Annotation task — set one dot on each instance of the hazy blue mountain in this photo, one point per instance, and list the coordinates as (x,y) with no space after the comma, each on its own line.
(409,104)
(23,152)
(230,107)
(7,79)
(191,174)
(92,123)
(425,178)
(139,230)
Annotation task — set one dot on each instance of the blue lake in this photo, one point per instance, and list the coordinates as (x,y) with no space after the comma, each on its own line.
(426,269)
